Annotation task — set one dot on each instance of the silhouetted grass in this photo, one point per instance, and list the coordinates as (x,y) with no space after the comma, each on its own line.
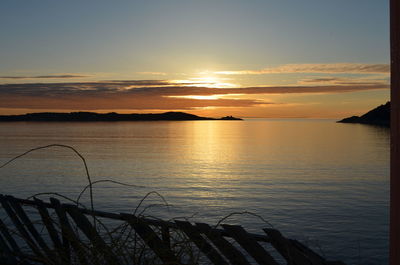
(121,239)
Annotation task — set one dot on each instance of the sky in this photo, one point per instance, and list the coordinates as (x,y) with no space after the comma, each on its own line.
(247,58)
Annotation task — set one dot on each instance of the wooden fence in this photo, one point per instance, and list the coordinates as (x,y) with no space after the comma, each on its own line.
(38,232)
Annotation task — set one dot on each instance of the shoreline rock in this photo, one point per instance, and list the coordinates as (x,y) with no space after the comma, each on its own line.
(379,116)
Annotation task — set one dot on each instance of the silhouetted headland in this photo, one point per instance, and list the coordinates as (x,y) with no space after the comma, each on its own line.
(378,116)
(92,116)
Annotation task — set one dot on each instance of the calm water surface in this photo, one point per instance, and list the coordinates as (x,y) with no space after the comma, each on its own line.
(323,183)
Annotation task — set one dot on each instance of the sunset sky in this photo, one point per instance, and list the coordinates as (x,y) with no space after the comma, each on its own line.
(254,58)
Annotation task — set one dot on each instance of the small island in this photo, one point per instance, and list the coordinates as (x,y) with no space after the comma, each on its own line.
(230,118)
(379,116)
(112,116)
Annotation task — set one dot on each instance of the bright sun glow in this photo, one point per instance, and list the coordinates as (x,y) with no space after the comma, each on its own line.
(205,79)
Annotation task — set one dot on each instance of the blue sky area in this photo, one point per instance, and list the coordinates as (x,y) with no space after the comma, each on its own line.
(218,44)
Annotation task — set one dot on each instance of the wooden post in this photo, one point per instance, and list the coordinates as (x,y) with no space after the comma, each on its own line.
(395,133)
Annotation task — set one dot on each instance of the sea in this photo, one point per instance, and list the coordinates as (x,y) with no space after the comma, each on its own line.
(323,183)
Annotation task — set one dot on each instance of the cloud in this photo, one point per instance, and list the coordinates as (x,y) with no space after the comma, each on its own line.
(127,102)
(334,68)
(150,94)
(343,81)
(151,73)
(321,80)
(55,76)
(314,89)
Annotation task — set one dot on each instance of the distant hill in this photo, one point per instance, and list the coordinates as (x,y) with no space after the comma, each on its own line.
(378,116)
(92,116)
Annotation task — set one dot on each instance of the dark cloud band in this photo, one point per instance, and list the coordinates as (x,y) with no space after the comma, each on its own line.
(148,94)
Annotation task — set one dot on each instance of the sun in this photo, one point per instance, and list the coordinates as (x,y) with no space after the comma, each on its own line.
(206,79)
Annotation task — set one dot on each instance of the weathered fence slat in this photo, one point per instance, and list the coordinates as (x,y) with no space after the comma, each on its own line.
(165,235)
(4,245)
(48,222)
(87,228)
(28,224)
(8,237)
(152,240)
(68,235)
(306,253)
(201,243)
(234,256)
(6,256)
(282,245)
(250,245)
(20,227)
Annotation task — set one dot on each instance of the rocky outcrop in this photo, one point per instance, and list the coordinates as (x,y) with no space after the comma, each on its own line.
(378,116)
